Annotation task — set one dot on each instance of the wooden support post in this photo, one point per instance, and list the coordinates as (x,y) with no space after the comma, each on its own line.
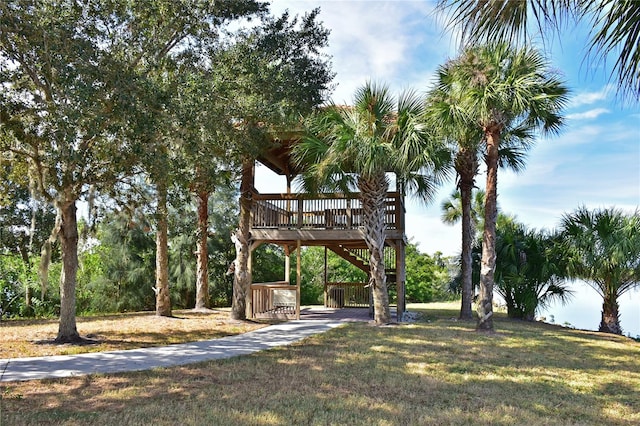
(299,278)
(325,276)
(300,211)
(249,296)
(400,278)
(287,264)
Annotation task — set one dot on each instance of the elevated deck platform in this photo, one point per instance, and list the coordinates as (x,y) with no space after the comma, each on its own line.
(331,220)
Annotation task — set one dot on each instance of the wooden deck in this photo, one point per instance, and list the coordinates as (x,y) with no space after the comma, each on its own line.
(316,220)
(335,221)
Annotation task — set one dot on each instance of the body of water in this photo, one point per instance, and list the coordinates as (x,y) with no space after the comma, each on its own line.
(584,310)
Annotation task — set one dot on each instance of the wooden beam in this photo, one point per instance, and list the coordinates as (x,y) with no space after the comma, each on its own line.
(287,263)
(315,235)
(400,278)
(325,276)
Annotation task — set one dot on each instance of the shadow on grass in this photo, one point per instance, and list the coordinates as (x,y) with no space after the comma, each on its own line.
(133,340)
(441,372)
(183,314)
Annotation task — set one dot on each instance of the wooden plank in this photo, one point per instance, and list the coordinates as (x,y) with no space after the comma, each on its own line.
(294,196)
(315,235)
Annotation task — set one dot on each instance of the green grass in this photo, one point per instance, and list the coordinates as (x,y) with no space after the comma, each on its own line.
(435,372)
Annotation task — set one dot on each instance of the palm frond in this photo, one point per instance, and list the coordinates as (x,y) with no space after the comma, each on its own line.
(508,20)
(616,30)
(452,208)
(603,248)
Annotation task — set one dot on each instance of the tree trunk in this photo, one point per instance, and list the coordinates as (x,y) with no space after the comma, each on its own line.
(488,265)
(202,273)
(240,309)
(466,166)
(374,191)
(45,256)
(163,300)
(67,331)
(466,312)
(610,322)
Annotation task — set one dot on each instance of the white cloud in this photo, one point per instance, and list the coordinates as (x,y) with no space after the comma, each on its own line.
(588,115)
(595,163)
(574,135)
(379,41)
(589,98)
(596,166)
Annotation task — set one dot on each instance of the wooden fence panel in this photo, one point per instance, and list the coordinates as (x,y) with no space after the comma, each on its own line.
(347,295)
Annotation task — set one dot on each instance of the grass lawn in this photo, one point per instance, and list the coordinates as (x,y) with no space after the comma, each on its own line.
(438,371)
(21,338)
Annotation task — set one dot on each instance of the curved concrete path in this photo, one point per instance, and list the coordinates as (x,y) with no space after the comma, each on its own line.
(20,369)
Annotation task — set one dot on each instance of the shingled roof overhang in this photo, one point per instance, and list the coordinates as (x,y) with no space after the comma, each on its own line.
(277,155)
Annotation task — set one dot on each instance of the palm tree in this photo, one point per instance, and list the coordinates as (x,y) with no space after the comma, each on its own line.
(615,27)
(603,248)
(509,94)
(528,269)
(448,119)
(452,209)
(354,147)
(451,124)
(467,207)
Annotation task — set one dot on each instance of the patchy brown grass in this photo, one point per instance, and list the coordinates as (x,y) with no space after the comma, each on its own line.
(439,371)
(22,338)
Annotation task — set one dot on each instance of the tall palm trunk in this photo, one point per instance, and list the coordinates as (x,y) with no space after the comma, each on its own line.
(374,192)
(163,301)
(610,322)
(488,265)
(241,305)
(202,272)
(466,166)
(67,331)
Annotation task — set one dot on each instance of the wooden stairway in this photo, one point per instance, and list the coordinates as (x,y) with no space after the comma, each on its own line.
(359,257)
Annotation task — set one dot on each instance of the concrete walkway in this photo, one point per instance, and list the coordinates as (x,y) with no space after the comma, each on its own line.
(20,369)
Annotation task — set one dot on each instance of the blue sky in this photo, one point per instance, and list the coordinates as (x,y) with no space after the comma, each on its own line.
(594,162)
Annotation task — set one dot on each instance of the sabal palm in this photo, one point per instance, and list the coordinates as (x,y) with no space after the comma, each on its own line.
(528,269)
(452,209)
(450,123)
(354,147)
(448,118)
(603,248)
(467,208)
(615,27)
(509,94)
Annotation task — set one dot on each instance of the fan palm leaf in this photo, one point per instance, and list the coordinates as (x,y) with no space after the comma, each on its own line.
(615,27)
(603,248)
(348,148)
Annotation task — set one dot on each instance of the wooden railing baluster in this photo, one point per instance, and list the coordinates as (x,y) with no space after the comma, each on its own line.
(296,211)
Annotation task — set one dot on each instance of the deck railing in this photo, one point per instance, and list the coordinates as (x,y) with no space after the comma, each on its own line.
(274,298)
(364,255)
(326,211)
(346,295)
